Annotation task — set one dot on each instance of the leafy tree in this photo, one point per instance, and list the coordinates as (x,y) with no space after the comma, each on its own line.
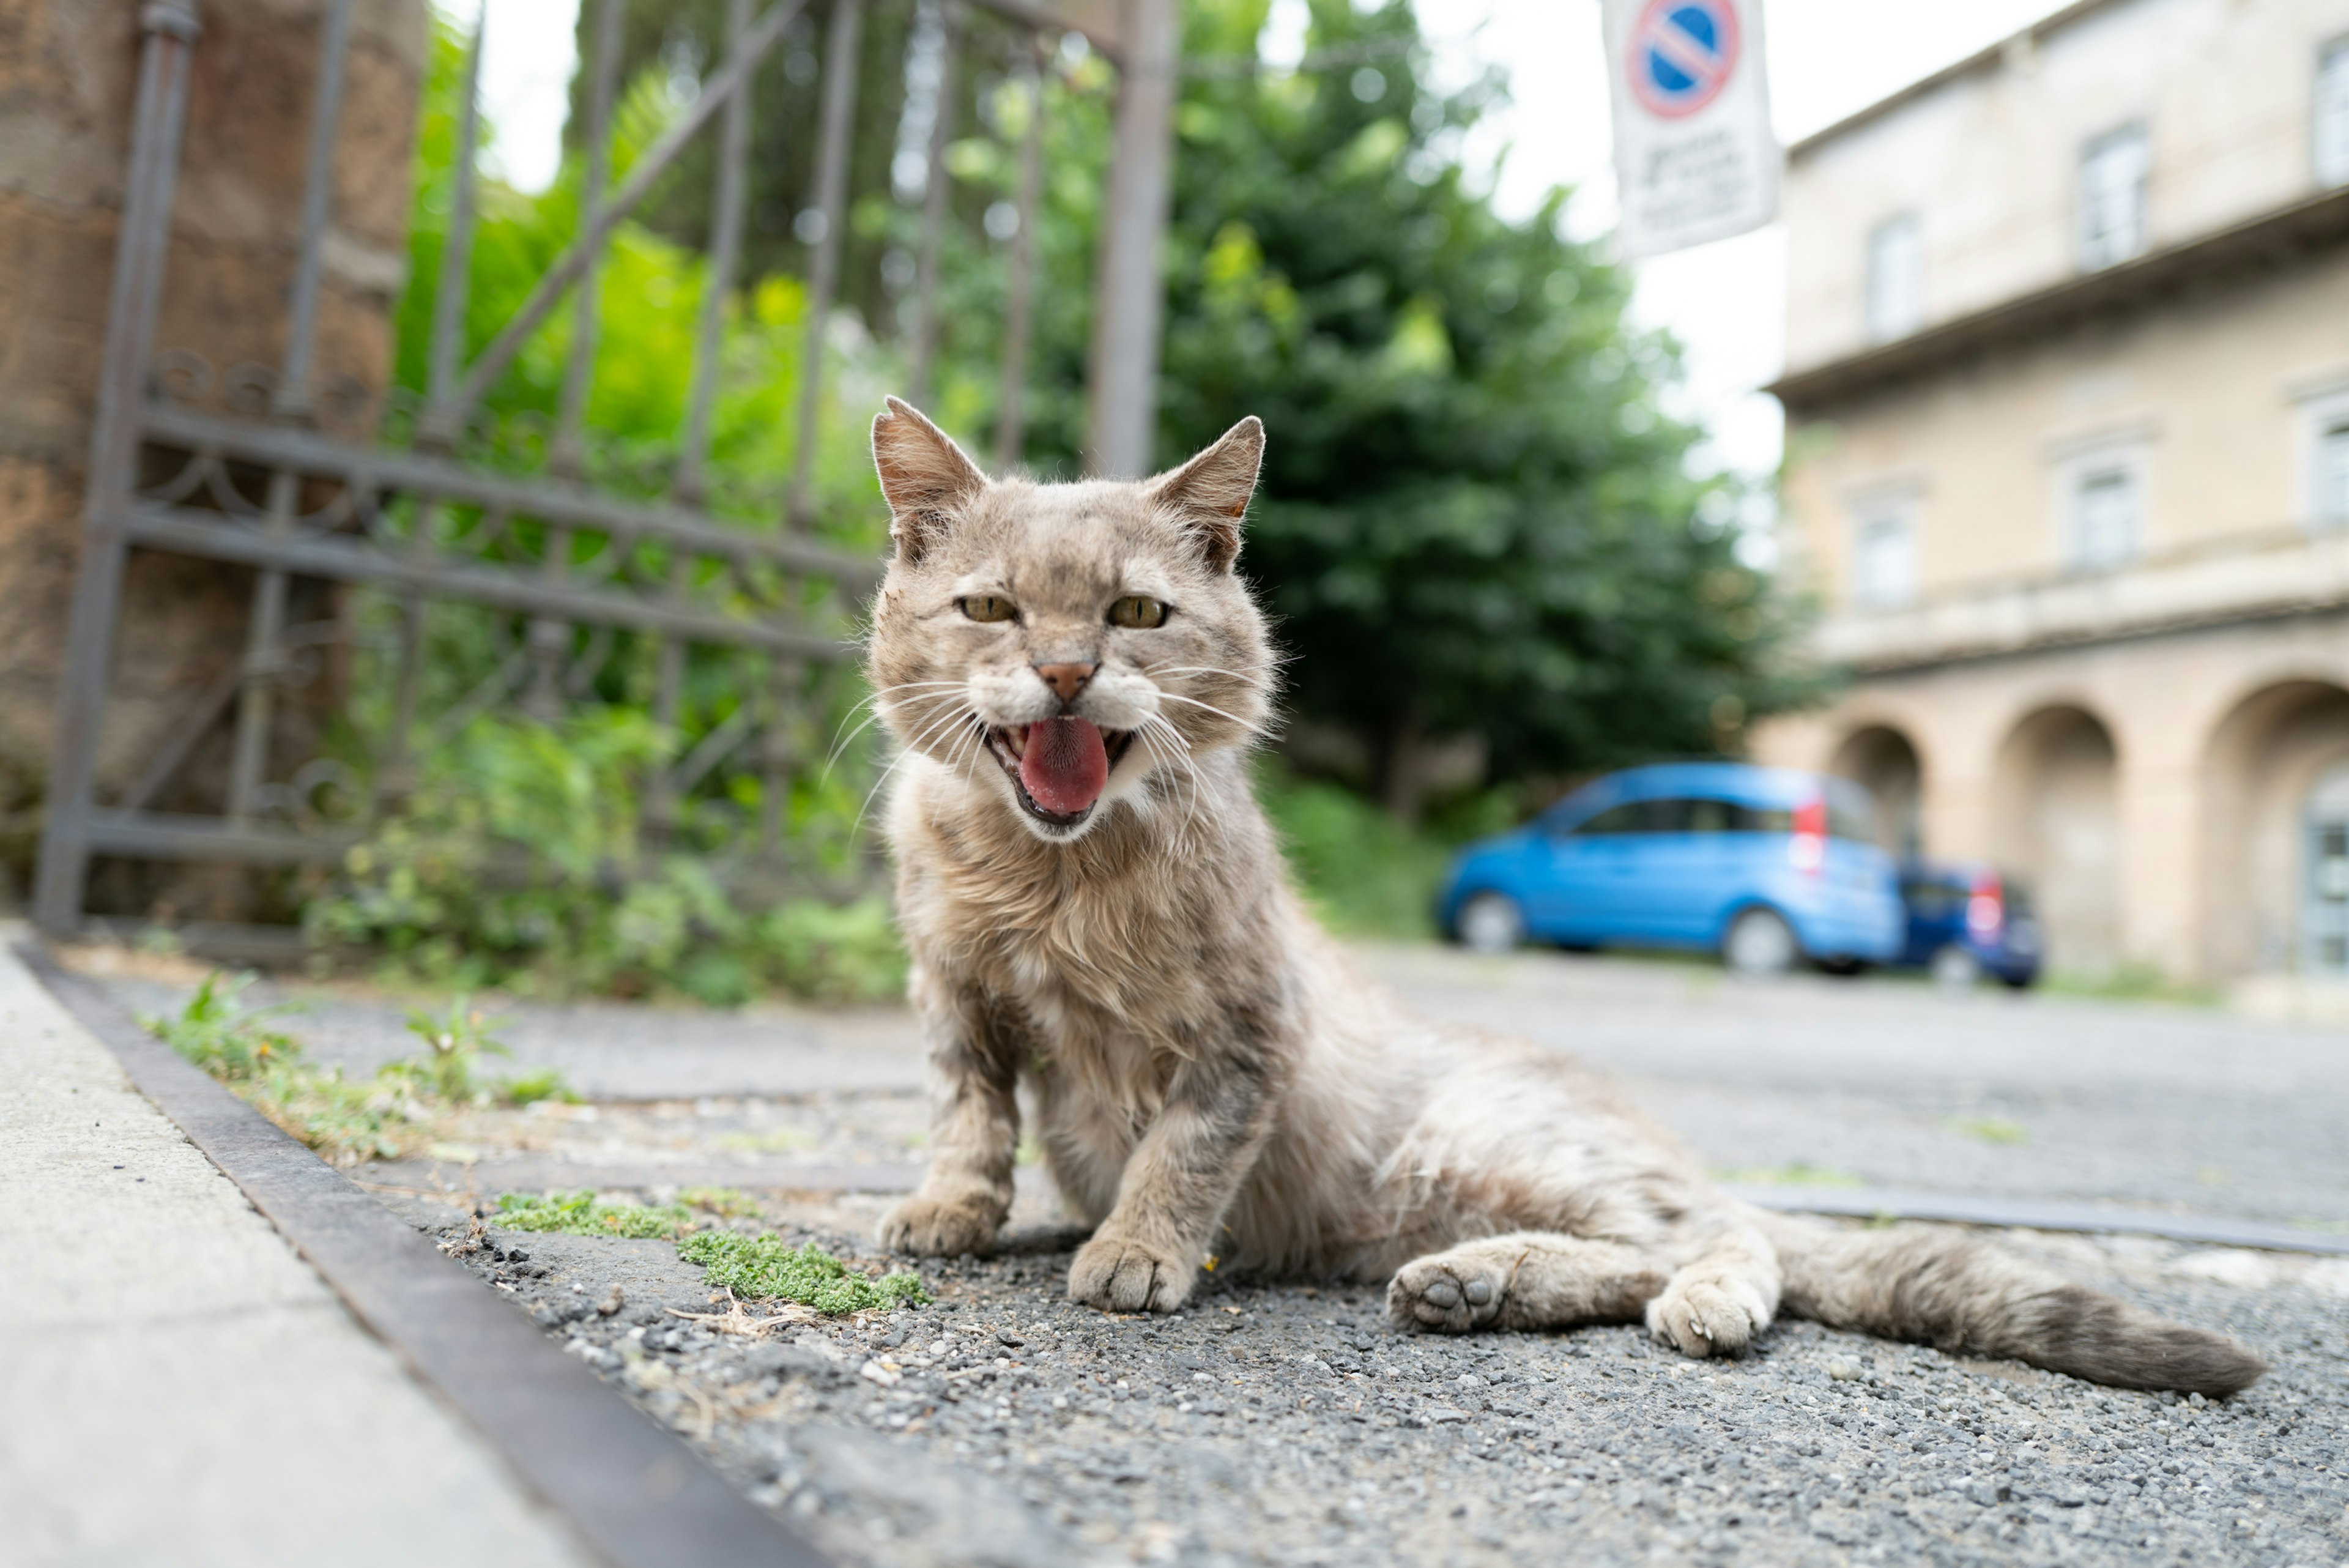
(1475,520)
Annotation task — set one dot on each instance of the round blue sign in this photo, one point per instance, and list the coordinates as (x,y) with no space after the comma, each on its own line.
(1682,54)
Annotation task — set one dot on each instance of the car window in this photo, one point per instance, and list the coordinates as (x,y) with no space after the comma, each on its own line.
(1631,817)
(1932,900)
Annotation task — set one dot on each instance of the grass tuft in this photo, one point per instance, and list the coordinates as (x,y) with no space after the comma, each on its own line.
(761,1268)
(584,1214)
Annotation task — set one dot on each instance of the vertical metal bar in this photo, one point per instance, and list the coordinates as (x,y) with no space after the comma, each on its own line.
(569,455)
(293,400)
(452,293)
(1123,377)
(835,126)
(1010,407)
(264,660)
(786,675)
(936,188)
(140,247)
(725,242)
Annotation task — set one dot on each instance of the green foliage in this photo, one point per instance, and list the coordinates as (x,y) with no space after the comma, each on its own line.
(726,1202)
(1365,873)
(584,1214)
(1474,516)
(518,863)
(761,1268)
(379,1118)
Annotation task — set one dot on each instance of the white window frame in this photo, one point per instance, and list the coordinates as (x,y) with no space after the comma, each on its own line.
(2324,413)
(2095,245)
(2078,465)
(1887,510)
(1894,305)
(2328,118)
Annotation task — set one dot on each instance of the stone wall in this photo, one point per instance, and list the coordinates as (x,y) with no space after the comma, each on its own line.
(68,85)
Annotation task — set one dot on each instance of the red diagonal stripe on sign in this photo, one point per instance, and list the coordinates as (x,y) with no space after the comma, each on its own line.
(1670,40)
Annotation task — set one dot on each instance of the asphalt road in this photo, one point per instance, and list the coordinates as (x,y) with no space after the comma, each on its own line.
(1874,1081)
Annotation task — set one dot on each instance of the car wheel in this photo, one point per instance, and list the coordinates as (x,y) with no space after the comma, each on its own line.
(1760,942)
(1490,923)
(1957,968)
(2019,981)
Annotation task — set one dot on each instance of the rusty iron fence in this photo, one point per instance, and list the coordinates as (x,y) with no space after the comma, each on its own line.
(410,505)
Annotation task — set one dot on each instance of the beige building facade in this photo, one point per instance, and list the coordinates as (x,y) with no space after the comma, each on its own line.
(2068,465)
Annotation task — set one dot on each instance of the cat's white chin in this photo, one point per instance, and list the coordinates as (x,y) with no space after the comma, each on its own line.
(1008,746)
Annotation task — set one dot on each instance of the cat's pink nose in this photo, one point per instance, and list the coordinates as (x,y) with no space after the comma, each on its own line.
(1065,679)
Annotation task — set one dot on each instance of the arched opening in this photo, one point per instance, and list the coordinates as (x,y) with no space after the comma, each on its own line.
(2276,862)
(1882,761)
(2056,827)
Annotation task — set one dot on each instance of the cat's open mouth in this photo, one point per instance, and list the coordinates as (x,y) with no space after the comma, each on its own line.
(1058,767)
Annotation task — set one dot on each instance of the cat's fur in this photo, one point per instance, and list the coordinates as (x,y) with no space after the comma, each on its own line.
(1210,1077)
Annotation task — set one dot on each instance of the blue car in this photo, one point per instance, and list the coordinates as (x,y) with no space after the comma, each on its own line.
(1967,922)
(1762,865)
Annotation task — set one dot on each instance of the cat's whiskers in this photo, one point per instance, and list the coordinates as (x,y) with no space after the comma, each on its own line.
(1146,733)
(1210,707)
(937,725)
(872,701)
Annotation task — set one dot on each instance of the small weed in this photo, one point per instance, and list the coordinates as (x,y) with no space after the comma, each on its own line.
(378,1118)
(2132,983)
(776,1140)
(761,1268)
(1799,1174)
(1989,1129)
(584,1214)
(726,1202)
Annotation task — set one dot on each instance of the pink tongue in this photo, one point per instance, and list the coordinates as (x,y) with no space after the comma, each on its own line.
(1065,767)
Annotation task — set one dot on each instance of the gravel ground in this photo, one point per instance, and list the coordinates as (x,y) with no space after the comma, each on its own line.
(1272,1424)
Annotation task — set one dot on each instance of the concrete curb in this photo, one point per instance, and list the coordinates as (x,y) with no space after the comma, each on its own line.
(637,1495)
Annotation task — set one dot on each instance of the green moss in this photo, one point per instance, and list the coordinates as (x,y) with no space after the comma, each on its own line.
(583,1214)
(761,1268)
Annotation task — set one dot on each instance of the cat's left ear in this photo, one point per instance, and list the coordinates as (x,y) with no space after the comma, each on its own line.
(924,476)
(1211,492)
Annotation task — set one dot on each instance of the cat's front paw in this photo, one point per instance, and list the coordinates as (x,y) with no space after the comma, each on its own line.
(941,1228)
(1708,1317)
(1117,1273)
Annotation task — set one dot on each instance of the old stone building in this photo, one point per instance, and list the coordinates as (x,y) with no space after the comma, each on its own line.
(2068,430)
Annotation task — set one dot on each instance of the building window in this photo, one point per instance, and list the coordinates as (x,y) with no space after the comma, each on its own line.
(2331,470)
(1884,553)
(2112,197)
(2105,505)
(1895,279)
(2331,121)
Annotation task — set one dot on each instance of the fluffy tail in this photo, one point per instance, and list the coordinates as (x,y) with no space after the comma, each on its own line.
(1966,1296)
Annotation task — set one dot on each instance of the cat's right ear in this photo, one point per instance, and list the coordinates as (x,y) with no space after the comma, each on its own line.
(923,475)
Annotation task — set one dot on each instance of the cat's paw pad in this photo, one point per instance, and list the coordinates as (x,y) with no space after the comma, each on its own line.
(1117,1273)
(1708,1317)
(1446,1295)
(940,1228)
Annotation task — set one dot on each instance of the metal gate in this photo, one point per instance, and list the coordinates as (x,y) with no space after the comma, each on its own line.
(238,467)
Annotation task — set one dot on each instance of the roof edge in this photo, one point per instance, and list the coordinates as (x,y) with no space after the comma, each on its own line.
(1982,59)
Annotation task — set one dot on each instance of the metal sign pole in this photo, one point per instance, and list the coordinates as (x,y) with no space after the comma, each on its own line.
(1128,293)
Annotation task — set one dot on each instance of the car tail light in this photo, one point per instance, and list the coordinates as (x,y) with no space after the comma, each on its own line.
(1807,850)
(1986,909)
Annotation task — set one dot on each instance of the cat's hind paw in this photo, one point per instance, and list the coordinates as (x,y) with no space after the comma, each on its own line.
(1448,1293)
(1708,1315)
(941,1228)
(1117,1273)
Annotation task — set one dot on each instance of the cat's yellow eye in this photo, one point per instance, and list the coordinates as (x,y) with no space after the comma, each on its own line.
(1139,613)
(988,607)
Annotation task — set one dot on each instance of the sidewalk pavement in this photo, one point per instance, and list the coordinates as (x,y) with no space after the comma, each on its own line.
(182,1389)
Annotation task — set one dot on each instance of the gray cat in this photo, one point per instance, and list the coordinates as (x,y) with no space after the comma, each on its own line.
(1095,904)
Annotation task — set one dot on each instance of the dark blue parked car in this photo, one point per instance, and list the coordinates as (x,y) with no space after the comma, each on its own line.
(1763,865)
(1965,921)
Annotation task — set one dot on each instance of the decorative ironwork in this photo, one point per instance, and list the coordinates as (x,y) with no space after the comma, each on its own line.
(576,559)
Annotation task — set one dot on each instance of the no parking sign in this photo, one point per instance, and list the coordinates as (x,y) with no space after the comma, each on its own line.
(1694,156)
